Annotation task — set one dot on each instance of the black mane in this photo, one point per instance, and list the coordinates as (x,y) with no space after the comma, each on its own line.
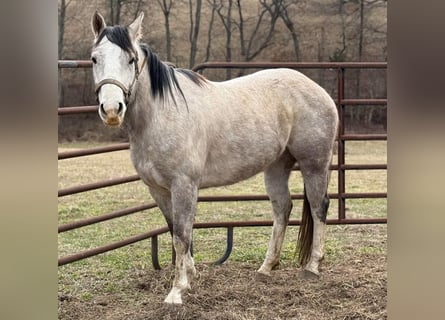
(162,76)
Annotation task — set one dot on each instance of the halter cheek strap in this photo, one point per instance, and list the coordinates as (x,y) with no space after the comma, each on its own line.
(125,90)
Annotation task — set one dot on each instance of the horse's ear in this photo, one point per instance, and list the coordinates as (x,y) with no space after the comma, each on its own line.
(135,28)
(97,24)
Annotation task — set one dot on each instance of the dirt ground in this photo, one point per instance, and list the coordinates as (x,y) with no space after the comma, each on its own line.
(353,288)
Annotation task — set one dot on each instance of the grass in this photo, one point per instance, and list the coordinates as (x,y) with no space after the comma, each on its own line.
(82,278)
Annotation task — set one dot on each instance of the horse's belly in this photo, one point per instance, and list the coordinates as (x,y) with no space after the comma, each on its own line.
(217,179)
(228,168)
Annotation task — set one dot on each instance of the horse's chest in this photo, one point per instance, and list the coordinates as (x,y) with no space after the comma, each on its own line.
(147,169)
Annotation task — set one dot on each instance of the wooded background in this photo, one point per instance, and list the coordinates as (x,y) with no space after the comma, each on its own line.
(188,32)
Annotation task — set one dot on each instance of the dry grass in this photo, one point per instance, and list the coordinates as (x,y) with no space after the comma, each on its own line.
(123,285)
(349,289)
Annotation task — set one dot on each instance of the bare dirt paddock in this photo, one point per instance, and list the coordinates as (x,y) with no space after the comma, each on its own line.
(352,286)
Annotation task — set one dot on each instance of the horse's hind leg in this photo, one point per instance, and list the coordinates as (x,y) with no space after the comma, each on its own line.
(276,179)
(316,177)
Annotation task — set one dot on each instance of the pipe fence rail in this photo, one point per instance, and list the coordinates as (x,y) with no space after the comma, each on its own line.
(341,167)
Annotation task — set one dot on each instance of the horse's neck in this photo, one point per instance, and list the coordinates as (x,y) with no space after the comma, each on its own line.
(140,110)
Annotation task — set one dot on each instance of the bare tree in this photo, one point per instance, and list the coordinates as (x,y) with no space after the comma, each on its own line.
(214,5)
(357,32)
(194,30)
(120,8)
(363,27)
(360,45)
(63,5)
(115,11)
(138,8)
(284,15)
(262,33)
(321,52)
(166,6)
(339,54)
(226,20)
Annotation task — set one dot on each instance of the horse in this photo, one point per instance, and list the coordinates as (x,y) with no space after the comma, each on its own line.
(187,133)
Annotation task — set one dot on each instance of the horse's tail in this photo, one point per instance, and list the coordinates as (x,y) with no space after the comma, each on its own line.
(305,233)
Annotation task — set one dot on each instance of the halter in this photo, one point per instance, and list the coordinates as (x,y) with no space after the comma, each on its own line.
(125,90)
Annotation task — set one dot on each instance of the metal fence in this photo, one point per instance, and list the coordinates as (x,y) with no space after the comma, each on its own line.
(341,167)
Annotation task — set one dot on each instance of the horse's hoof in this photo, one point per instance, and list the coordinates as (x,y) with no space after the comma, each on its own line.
(263,277)
(309,275)
(263,272)
(174,297)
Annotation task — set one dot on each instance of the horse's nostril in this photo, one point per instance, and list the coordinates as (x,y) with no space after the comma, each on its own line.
(101,108)
(121,108)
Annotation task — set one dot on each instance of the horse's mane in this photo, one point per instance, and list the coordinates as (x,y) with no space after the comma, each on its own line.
(162,75)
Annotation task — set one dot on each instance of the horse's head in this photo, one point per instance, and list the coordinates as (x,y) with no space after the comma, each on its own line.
(116,66)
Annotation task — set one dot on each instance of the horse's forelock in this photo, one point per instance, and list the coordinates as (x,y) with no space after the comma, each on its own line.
(119,36)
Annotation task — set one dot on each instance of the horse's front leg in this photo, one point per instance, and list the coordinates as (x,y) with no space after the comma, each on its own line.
(184,196)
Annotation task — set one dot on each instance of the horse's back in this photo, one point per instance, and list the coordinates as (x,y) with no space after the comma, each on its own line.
(296,106)
(280,88)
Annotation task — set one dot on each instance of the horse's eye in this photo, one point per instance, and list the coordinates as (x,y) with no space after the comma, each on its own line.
(131,61)
(94,60)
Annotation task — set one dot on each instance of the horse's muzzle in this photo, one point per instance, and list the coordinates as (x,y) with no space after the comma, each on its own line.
(113,121)
(112,117)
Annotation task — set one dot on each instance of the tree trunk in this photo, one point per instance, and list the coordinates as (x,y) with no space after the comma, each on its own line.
(259,39)
(209,32)
(166,8)
(257,44)
(284,15)
(62,16)
(241,30)
(321,55)
(168,38)
(227,22)
(360,111)
(194,30)
(229,39)
(138,9)
(115,11)
(360,45)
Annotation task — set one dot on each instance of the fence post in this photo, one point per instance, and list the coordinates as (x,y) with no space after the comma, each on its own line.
(341,144)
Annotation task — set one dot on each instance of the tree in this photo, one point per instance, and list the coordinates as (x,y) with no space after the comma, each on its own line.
(284,15)
(194,30)
(138,9)
(214,5)
(263,31)
(115,11)
(120,8)
(63,5)
(358,34)
(166,6)
(226,20)
(62,17)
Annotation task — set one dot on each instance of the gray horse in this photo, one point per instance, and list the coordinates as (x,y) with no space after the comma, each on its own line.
(187,133)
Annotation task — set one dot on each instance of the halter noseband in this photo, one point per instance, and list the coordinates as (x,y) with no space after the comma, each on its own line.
(125,90)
